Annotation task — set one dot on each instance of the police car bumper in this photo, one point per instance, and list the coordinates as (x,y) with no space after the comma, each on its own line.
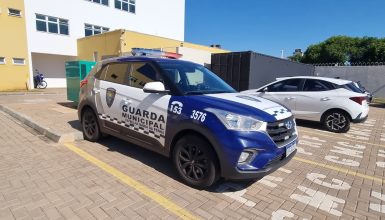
(261,161)
(252,173)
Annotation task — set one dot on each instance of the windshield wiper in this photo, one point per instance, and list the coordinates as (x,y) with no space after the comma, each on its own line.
(194,93)
(215,92)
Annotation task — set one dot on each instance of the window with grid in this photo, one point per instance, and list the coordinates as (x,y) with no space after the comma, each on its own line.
(102,2)
(52,24)
(14,12)
(125,5)
(90,29)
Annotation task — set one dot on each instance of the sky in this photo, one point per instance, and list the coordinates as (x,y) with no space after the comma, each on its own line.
(269,26)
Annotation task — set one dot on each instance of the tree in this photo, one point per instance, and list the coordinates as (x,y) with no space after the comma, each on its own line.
(295,57)
(342,49)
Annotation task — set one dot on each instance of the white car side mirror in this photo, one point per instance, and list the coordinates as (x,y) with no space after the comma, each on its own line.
(155,87)
(264,89)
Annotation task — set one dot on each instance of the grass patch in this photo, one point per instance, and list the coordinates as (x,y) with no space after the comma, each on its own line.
(378,100)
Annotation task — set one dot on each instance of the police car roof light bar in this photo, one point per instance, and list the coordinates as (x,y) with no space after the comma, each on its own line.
(154,53)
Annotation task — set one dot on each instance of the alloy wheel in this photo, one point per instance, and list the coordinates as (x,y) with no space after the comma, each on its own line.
(336,121)
(193,162)
(90,124)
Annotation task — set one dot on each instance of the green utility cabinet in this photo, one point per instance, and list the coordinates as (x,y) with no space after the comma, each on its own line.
(76,71)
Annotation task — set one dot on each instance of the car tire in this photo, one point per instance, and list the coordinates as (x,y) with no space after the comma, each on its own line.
(336,121)
(90,126)
(195,161)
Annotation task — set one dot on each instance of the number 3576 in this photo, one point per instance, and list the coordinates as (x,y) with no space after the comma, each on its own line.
(199,116)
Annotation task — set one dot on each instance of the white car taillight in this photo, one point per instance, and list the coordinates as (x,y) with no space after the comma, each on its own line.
(359,99)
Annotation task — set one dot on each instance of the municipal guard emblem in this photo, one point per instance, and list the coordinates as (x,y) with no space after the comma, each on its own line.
(110,96)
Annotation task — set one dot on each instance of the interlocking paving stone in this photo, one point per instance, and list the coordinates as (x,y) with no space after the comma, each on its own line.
(43,180)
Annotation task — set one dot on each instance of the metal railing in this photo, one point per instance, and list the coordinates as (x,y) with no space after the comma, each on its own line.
(351,64)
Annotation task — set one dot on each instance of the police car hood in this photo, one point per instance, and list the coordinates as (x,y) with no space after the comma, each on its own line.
(250,105)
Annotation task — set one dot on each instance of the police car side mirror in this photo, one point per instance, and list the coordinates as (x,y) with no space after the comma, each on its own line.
(155,87)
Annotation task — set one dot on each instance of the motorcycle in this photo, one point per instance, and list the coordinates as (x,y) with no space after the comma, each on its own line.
(39,81)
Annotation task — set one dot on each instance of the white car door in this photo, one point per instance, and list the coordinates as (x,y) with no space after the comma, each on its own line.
(315,99)
(284,92)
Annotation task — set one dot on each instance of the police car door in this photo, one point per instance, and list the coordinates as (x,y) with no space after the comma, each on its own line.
(144,114)
(109,95)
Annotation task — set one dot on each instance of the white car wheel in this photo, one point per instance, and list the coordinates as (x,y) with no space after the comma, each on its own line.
(337,121)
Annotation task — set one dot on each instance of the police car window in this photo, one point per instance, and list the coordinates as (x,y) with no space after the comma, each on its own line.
(101,74)
(289,85)
(117,72)
(312,85)
(141,74)
(173,75)
(194,79)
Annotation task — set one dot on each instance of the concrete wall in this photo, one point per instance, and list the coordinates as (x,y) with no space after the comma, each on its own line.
(162,18)
(371,77)
(122,41)
(53,68)
(103,44)
(13,44)
(194,55)
(265,69)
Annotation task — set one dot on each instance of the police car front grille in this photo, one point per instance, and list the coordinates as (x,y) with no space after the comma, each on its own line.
(279,132)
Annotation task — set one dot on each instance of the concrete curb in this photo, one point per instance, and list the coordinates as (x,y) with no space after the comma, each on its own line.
(48,132)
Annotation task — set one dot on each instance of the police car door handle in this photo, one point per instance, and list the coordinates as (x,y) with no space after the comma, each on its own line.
(96,90)
(127,101)
(325,99)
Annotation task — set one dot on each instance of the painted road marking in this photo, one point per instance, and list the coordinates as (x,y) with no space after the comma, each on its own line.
(342,170)
(342,138)
(161,200)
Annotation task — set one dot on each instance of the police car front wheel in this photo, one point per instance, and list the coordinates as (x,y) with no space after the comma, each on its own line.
(195,161)
(90,126)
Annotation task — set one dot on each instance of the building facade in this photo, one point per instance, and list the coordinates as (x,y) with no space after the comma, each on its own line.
(120,42)
(49,30)
(14,59)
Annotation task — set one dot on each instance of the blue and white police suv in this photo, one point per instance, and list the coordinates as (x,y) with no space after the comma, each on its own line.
(183,111)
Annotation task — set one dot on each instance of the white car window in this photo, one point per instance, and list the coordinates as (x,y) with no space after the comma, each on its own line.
(312,85)
(289,85)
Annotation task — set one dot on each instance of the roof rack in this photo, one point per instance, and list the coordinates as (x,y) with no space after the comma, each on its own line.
(154,53)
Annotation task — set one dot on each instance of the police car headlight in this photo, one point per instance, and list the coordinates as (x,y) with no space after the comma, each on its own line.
(237,122)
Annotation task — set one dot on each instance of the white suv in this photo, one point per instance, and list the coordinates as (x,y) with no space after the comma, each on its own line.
(333,102)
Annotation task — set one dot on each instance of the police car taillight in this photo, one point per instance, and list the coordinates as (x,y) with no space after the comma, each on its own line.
(154,53)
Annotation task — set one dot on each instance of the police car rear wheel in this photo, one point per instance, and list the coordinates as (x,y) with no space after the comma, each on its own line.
(195,161)
(90,126)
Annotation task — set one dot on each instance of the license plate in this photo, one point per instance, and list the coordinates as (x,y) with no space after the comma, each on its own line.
(290,149)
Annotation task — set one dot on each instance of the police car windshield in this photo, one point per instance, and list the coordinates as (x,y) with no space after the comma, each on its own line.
(194,79)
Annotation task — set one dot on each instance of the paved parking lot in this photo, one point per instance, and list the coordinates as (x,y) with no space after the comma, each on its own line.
(332,176)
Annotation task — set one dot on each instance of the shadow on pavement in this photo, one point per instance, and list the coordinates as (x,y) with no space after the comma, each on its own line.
(69,104)
(377,105)
(164,165)
(76,125)
(151,159)
(310,124)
